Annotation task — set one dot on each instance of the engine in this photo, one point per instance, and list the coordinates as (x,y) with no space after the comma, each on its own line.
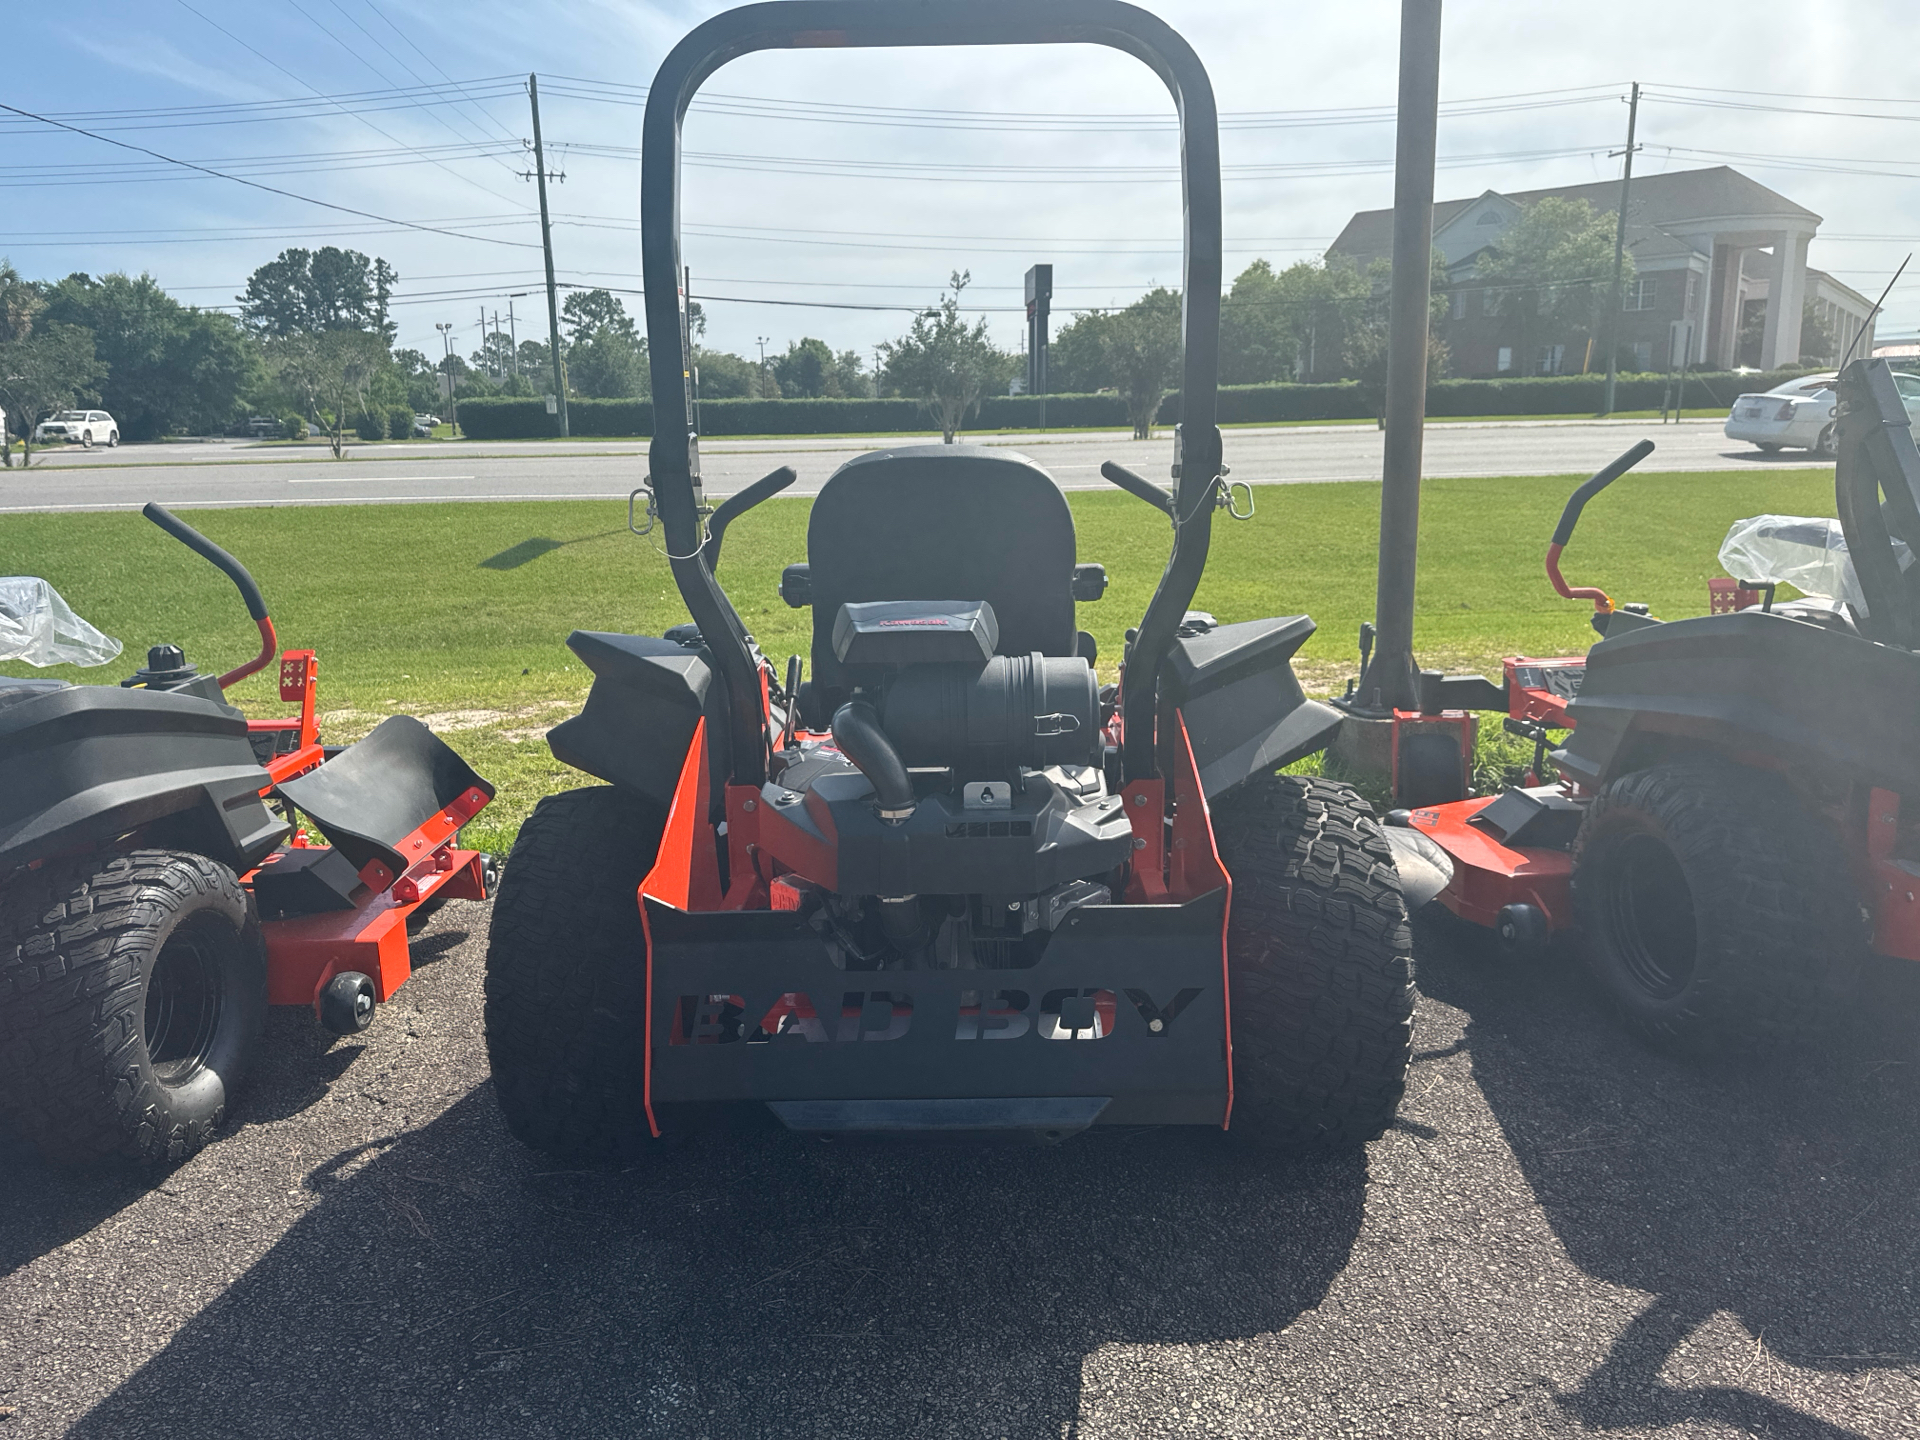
(960,810)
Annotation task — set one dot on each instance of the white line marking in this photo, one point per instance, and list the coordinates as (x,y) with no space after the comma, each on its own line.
(368,479)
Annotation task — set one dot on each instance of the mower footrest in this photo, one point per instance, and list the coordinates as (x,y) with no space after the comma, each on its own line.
(1049,1114)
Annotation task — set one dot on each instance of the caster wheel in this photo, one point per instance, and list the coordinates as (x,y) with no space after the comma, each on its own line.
(1522,930)
(490,874)
(346,1005)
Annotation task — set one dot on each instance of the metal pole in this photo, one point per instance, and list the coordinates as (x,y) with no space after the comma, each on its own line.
(546,244)
(453,395)
(1390,679)
(513,339)
(1620,250)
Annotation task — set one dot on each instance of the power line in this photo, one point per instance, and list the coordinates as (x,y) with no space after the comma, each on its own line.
(270,189)
(477,110)
(343,110)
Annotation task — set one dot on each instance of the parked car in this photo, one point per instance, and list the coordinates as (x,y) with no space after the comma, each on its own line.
(87,427)
(1799,414)
(266,427)
(423,426)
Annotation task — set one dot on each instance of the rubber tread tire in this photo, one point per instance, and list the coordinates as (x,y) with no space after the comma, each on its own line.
(78,942)
(566,976)
(1320,961)
(1778,931)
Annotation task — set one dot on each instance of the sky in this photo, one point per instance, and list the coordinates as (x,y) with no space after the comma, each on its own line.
(832,193)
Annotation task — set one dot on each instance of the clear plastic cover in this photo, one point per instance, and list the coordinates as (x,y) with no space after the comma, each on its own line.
(37,626)
(1807,553)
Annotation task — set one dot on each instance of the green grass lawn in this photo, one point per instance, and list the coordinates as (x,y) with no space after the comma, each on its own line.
(458,613)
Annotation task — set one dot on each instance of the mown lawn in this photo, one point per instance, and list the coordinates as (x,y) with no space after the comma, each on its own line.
(458,613)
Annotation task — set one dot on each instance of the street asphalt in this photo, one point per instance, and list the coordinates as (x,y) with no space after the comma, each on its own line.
(1563,1235)
(220,473)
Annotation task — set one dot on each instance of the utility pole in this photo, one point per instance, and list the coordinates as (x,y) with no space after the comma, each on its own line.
(546,244)
(513,336)
(1039,306)
(1620,249)
(486,360)
(876,372)
(453,396)
(1390,679)
(761,341)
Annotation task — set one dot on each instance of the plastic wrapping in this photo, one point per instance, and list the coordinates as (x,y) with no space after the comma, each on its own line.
(1807,553)
(37,626)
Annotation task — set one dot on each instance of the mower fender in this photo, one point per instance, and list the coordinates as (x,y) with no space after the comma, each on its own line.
(1245,712)
(639,719)
(87,763)
(1827,703)
(1425,869)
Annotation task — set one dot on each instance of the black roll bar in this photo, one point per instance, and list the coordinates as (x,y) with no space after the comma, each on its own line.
(674,455)
(1877,457)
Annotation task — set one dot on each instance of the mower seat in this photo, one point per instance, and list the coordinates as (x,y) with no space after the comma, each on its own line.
(942,522)
(369,798)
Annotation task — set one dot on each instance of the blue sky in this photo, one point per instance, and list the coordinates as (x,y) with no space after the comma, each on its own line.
(861,220)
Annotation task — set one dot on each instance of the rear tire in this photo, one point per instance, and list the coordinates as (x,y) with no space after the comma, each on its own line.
(1767,447)
(1320,961)
(566,976)
(1827,446)
(133,991)
(1714,912)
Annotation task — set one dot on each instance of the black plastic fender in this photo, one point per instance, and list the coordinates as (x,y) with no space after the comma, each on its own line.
(86,763)
(648,695)
(1246,714)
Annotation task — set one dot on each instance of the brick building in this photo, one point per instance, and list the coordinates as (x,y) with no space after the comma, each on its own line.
(1721,276)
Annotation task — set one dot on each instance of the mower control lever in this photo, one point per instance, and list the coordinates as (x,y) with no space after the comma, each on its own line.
(256,603)
(1138,485)
(738,503)
(1569,517)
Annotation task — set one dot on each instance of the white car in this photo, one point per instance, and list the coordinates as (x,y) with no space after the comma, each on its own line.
(87,427)
(1799,415)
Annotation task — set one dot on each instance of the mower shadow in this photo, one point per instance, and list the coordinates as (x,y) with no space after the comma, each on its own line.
(1783,1191)
(455,1283)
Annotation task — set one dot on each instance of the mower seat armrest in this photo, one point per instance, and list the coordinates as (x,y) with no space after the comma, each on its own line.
(796,586)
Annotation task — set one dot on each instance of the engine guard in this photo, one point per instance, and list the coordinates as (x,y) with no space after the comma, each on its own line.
(1122,1022)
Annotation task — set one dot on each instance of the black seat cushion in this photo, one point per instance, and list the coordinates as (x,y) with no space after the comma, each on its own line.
(944,522)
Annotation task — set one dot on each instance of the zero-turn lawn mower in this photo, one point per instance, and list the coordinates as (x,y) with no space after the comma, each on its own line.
(949,882)
(159,889)
(1737,809)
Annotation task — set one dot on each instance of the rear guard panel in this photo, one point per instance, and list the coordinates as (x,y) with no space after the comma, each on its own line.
(749,1006)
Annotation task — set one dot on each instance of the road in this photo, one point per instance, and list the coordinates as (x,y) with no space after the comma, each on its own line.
(1562,1236)
(209,474)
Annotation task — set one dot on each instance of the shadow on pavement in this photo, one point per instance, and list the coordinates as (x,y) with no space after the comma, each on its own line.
(1785,1192)
(453,1283)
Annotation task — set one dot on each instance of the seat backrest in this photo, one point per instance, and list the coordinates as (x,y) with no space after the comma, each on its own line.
(944,522)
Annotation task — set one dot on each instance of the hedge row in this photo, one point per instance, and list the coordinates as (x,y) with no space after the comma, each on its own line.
(506,418)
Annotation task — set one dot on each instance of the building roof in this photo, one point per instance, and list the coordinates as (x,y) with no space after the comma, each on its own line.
(1668,202)
(1823,278)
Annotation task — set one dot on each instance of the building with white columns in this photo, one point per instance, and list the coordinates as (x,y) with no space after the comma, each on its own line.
(1710,248)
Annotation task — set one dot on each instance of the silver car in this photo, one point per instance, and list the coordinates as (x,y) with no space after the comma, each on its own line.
(1799,414)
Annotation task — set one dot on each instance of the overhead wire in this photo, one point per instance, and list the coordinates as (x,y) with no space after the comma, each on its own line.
(270,189)
(467,179)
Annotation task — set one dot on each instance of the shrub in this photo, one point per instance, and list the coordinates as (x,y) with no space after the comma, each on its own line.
(293,426)
(400,422)
(371,425)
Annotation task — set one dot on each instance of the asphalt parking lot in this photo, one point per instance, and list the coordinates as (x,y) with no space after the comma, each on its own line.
(1564,1235)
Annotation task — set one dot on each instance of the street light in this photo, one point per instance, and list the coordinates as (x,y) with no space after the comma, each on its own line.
(453,397)
(761,341)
